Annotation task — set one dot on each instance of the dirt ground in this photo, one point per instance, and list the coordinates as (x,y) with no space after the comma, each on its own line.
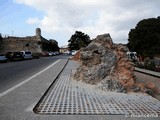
(148,79)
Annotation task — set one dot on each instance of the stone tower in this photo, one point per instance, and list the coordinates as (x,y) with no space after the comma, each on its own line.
(38,32)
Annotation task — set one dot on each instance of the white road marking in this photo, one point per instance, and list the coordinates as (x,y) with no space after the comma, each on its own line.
(20,84)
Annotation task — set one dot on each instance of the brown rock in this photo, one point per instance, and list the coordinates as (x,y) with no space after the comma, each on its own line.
(106,64)
(76,57)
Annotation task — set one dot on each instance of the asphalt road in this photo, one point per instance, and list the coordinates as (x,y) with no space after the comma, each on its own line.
(12,73)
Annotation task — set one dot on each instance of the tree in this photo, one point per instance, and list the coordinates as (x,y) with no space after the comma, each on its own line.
(78,40)
(1,36)
(145,37)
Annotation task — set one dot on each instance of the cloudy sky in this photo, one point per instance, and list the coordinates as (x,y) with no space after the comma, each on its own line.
(59,19)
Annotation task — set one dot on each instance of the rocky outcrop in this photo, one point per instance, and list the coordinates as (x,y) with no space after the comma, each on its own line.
(76,57)
(106,64)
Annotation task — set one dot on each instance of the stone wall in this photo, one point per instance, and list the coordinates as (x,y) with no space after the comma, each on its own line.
(35,44)
(12,44)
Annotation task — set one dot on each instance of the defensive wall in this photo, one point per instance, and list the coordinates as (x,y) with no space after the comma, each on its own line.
(35,44)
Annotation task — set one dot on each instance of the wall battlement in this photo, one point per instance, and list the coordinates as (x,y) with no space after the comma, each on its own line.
(35,44)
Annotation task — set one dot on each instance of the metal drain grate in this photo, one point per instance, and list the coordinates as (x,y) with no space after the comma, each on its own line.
(64,97)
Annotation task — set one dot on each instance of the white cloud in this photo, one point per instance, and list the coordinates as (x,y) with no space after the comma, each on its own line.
(93,17)
(33,21)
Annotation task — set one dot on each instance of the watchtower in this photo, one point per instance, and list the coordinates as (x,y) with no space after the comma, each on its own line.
(38,32)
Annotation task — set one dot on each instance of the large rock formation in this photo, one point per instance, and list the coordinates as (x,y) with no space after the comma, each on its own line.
(106,64)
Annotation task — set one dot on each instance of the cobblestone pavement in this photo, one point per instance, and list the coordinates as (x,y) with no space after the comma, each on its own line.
(66,96)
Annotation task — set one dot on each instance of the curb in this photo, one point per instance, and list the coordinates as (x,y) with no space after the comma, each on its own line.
(34,109)
(148,72)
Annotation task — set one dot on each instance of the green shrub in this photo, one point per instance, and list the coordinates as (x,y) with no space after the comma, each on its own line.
(149,65)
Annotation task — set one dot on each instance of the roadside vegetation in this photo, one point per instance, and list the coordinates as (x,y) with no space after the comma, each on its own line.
(78,40)
(145,40)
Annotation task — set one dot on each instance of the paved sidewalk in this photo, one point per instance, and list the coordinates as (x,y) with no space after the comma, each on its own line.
(19,103)
(68,96)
